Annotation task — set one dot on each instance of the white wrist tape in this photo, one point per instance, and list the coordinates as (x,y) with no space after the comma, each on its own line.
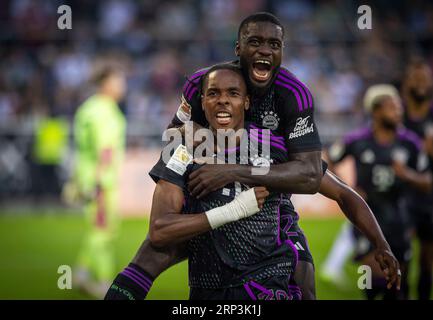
(244,205)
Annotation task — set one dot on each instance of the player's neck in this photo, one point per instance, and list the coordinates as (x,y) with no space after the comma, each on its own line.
(259,92)
(106,94)
(417,111)
(383,135)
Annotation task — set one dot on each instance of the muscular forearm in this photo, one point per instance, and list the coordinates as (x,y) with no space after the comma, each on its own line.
(171,228)
(295,176)
(280,178)
(358,212)
(174,228)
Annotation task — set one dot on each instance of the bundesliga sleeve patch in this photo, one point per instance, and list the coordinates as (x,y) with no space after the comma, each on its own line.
(180,160)
(302,128)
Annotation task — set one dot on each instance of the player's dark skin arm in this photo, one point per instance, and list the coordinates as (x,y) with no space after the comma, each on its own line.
(421,181)
(167,225)
(358,212)
(153,258)
(156,260)
(157,253)
(301,174)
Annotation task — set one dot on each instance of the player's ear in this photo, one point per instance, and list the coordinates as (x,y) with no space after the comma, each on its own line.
(247,103)
(237,49)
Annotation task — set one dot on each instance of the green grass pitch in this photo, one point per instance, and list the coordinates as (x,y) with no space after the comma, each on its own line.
(34,246)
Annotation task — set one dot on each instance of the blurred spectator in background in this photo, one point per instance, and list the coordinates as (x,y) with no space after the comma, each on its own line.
(49,149)
(162,41)
(99,129)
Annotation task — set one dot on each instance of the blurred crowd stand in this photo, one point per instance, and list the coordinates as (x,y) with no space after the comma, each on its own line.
(46,70)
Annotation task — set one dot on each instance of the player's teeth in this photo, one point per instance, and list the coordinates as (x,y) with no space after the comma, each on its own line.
(223,114)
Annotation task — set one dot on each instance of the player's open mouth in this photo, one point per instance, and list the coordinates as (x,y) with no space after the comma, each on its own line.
(261,70)
(223,118)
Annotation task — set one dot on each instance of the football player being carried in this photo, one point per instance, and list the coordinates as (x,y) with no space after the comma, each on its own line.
(235,251)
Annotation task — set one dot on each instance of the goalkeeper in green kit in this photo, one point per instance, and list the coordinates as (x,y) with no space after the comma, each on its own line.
(99,131)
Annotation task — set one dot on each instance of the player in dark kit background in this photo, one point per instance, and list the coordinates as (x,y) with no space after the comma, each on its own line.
(418,101)
(386,157)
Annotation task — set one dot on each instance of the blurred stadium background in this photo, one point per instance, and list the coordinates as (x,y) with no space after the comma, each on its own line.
(44,75)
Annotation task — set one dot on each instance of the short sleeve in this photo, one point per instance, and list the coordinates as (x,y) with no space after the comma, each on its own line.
(296,105)
(300,130)
(175,168)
